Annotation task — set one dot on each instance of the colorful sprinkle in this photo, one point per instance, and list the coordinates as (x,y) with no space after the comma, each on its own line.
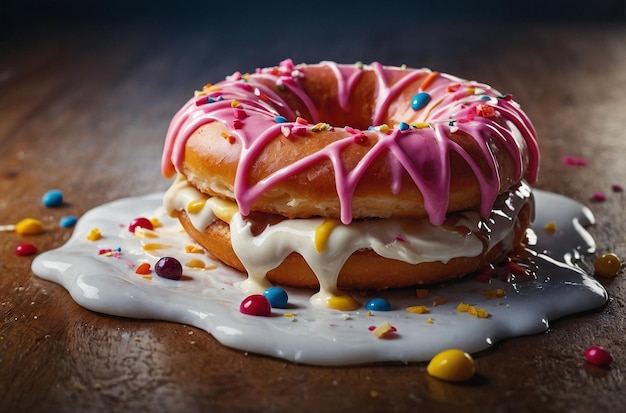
(607,265)
(140,222)
(403,126)
(302,121)
(257,305)
(598,355)
(384,330)
(420,100)
(67,221)
(452,365)
(52,198)
(598,197)
(486,111)
(617,188)
(280,119)
(572,161)
(143,269)
(29,226)
(428,80)
(277,297)
(378,304)
(169,267)
(25,249)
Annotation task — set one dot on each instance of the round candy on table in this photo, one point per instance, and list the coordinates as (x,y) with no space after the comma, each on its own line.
(256,304)
(169,267)
(140,222)
(277,297)
(598,355)
(378,304)
(452,365)
(29,226)
(67,221)
(25,249)
(52,198)
(607,265)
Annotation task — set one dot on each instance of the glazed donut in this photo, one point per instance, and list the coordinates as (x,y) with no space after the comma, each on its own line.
(424,154)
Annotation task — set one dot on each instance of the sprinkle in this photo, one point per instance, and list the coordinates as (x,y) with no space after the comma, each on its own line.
(320,127)
(486,111)
(236,124)
(550,227)
(617,188)
(299,130)
(495,293)
(302,121)
(195,263)
(572,161)
(285,131)
(472,310)
(143,269)
(598,197)
(29,226)
(52,198)
(453,88)
(94,235)
(507,97)
(193,249)
(420,125)
(230,138)
(67,221)
(403,126)
(361,139)
(428,80)
(420,100)
(359,64)
(239,113)
(383,330)
(280,119)
(154,246)
(421,292)
(439,301)
(418,309)
(384,128)
(235,104)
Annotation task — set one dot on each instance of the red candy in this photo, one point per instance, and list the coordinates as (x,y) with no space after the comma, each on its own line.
(25,249)
(256,304)
(140,222)
(598,355)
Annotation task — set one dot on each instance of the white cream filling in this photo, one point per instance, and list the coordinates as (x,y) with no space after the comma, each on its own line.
(412,241)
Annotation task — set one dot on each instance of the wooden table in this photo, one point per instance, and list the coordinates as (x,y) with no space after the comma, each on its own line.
(84,108)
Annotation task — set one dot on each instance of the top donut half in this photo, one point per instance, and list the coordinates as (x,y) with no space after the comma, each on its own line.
(352,142)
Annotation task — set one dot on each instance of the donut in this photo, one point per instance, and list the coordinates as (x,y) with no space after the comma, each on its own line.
(336,176)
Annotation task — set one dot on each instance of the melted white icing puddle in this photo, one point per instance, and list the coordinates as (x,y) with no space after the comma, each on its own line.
(209,298)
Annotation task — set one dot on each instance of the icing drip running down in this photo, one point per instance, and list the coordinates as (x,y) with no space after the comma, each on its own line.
(417,142)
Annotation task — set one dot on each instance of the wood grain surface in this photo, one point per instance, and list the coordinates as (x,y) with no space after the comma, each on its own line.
(84,108)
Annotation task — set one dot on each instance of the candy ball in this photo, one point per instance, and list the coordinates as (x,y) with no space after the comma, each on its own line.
(140,222)
(607,265)
(52,198)
(257,305)
(378,304)
(277,297)
(598,355)
(25,249)
(452,365)
(29,226)
(169,267)
(67,221)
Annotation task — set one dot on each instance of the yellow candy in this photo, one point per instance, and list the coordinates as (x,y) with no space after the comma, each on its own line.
(452,365)
(29,226)
(607,265)
(94,235)
(322,233)
(343,302)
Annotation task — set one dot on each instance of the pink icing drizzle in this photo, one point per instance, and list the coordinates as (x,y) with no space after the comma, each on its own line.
(422,152)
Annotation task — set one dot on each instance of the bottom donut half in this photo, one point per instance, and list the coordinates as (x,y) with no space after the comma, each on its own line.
(364,269)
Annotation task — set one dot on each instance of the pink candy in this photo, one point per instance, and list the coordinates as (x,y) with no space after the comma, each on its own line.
(599,356)
(24,249)
(572,161)
(256,304)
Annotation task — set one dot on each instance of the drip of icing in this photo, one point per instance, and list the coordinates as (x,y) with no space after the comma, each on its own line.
(412,241)
(418,151)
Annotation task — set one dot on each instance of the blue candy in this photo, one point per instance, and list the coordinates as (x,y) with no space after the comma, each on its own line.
(277,297)
(420,100)
(280,119)
(403,126)
(67,221)
(52,198)
(378,304)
